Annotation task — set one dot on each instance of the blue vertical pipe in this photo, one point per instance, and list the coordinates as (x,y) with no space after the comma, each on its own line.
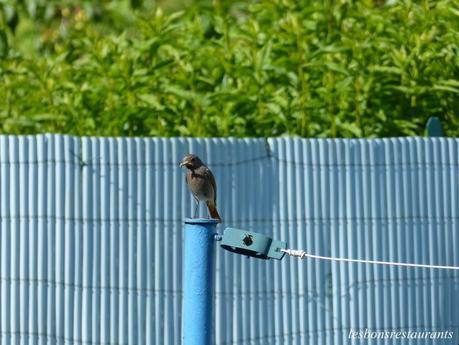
(198,281)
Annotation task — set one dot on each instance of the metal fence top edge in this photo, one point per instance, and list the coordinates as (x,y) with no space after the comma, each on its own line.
(52,136)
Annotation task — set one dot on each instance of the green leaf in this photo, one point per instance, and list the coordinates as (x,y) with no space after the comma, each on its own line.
(151,100)
(162,64)
(47,117)
(386,69)
(445,88)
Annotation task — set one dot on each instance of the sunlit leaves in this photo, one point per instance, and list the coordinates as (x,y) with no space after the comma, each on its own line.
(339,69)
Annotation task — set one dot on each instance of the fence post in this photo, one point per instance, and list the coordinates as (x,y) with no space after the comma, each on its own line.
(434,127)
(198,281)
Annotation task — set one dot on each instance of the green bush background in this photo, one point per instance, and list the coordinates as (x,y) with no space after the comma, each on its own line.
(267,68)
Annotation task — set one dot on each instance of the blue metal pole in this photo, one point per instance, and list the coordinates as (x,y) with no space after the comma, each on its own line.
(198,281)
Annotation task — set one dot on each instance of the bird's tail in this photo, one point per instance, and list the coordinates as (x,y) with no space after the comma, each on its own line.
(213,211)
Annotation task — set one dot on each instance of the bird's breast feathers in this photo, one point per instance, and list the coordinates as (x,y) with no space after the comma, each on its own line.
(200,185)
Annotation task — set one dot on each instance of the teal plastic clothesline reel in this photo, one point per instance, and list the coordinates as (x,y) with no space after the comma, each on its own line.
(252,244)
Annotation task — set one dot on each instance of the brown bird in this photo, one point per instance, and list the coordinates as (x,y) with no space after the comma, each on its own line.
(201,183)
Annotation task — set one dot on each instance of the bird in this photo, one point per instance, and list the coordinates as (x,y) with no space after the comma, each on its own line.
(201,183)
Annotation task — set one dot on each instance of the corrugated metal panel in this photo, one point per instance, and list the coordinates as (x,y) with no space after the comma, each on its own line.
(91,238)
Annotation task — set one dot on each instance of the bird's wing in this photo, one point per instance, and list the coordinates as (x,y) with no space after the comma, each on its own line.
(212,183)
(188,181)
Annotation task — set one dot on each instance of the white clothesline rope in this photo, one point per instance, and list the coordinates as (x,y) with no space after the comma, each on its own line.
(302,254)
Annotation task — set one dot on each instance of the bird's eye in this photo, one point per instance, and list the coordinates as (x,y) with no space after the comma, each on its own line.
(193,159)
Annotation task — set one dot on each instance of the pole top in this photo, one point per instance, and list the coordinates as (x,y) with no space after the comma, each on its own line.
(208,221)
(434,127)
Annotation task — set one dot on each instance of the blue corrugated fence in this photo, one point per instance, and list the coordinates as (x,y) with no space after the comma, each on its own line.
(91,239)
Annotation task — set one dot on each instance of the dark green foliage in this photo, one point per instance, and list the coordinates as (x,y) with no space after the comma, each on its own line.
(269,68)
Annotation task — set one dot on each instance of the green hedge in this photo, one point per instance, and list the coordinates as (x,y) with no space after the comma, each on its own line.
(307,68)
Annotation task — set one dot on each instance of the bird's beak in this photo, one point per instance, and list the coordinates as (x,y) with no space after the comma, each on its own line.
(183,163)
